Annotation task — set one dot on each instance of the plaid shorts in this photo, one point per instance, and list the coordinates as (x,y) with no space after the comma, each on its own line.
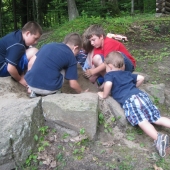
(139,108)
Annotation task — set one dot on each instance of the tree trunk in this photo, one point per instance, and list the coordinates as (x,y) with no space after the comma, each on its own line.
(132,7)
(37,12)
(14,14)
(72,9)
(114,6)
(24,12)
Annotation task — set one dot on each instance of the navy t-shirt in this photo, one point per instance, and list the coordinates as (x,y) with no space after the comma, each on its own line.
(51,59)
(12,48)
(123,85)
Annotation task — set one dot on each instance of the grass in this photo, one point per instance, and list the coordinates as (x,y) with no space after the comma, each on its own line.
(121,25)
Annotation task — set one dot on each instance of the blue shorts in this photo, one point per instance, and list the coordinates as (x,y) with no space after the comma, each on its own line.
(139,108)
(128,64)
(21,67)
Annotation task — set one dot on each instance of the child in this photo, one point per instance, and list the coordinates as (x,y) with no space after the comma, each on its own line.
(139,109)
(52,60)
(15,55)
(104,45)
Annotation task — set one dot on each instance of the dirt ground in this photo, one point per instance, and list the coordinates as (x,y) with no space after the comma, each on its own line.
(115,147)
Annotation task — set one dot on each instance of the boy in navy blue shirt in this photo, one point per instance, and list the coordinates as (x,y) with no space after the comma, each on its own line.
(139,109)
(54,62)
(16,56)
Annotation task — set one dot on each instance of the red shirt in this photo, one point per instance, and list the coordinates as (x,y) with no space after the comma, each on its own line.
(110,45)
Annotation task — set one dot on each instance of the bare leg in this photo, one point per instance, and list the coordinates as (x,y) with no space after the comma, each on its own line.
(30,53)
(163,121)
(97,60)
(31,62)
(149,129)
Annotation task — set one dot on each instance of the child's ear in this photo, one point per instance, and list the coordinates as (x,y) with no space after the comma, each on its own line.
(102,37)
(75,49)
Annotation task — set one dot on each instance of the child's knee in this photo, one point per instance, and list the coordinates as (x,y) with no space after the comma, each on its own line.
(97,60)
(31,52)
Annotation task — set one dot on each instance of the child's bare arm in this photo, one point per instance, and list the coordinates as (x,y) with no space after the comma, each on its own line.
(140,80)
(107,89)
(75,85)
(14,73)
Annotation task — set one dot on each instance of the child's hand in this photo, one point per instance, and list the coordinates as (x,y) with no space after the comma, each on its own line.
(23,82)
(86,90)
(87,74)
(100,94)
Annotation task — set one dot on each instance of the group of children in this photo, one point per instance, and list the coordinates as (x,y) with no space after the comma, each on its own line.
(105,61)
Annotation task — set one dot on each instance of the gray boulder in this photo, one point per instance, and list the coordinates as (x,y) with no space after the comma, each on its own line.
(73,111)
(20,121)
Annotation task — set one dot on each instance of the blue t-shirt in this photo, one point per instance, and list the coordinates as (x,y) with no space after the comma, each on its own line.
(12,48)
(123,85)
(51,59)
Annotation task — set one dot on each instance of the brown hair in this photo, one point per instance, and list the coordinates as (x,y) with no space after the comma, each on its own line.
(33,27)
(73,39)
(115,58)
(87,44)
(95,30)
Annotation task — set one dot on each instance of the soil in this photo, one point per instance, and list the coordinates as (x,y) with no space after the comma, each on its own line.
(124,148)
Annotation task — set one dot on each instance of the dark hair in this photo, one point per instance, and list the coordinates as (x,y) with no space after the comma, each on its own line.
(33,27)
(95,30)
(73,39)
(115,58)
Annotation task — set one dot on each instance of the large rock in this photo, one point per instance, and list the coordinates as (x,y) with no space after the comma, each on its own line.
(74,111)
(20,121)
(110,107)
(157,91)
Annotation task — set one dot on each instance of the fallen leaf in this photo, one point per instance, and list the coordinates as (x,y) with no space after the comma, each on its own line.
(157,168)
(47,161)
(108,144)
(53,164)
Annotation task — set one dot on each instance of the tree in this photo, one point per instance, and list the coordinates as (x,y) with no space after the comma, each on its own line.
(14,14)
(132,7)
(72,9)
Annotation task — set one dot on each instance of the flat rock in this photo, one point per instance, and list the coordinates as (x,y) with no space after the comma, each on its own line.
(74,111)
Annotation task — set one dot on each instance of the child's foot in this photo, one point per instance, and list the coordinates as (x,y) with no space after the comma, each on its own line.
(93,79)
(162,143)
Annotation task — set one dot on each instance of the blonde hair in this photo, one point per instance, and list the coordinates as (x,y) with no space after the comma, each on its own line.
(115,58)
(33,27)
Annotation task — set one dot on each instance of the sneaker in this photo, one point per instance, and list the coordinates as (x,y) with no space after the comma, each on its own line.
(162,143)
(33,94)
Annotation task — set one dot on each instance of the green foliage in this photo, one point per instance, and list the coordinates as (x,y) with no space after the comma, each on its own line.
(43,129)
(65,135)
(101,118)
(53,13)
(32,157)
(82,131)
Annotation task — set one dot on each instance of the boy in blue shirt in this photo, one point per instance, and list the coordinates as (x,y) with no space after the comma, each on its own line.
(16,56)
(54,62)
(138,108)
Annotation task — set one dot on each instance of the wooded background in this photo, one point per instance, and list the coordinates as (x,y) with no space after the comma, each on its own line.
(49,13)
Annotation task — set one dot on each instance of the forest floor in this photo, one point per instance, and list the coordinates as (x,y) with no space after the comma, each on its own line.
(122,148)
